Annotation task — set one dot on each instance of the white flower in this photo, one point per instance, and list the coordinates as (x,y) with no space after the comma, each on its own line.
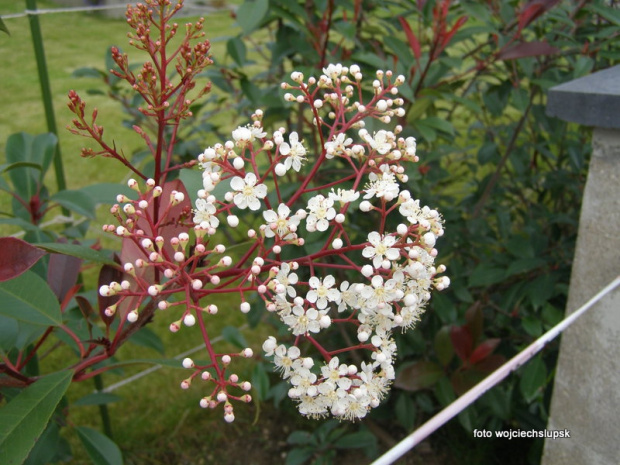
(334,71)
(280,223)
(245,135)
(321,291)
(295,152)
(380,248)
(344,196)
(382,142)
(204,215)
(303,321)
(321,212)
(286,360)
(248,192)
(337,146)
(382,185)
(378,294)
(287,279)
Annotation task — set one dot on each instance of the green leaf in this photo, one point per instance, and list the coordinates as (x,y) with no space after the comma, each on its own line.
(101,449)
(28,298)
(356,440)
(76,250)
(3,27)
(97,398)
(76,201)
(237,50)
(106,192)
(145,337)
(443,346)
(25,417)
(486,274)
(418,375)
(192,180)
(405,411)
(532,326)
(26,148)
(533,379)
(260,381)
(300,438)
(298,456)
(251,13)
(234,337)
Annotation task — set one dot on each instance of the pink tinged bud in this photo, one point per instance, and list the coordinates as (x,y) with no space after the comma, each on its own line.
(174,327)
(277,249)
(199,249)
(226,359)
(280,169)
(246,386)
(150,183)
(154,257)
(121,231)
(154,290)
(204,402)
(212,309)
(197,284)
(110,311)
(233,378)
(368,271)
(205,375)
(129,268)
(251,233)
(398,320)
(163,305)
(226,261)
(244,307)
(215,280)
(222,397)
(179,257)
(105,291)
(189,320)
(247,398)
(157,190)
(125,285)
(143,204)
(147,244)
(188,363)
(271,307)
(168,273)
(229,418)
(337,243)
(262,289)
(247,353)
(133,184)
(255,269)
(185,384)
(362,336)
(365,206)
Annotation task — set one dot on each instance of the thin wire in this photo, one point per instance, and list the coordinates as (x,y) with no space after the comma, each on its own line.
(45,11)
(494,378)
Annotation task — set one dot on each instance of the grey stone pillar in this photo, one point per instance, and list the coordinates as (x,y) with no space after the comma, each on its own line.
(586,395)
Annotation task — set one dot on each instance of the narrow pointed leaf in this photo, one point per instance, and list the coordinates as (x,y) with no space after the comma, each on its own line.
(101,449)
(28,298)
(16,257)
(23,419)
(76,250)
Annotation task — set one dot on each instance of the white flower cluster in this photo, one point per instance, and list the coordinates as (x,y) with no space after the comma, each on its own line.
(390,273)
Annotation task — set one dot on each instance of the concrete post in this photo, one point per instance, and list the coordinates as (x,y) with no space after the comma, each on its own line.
(586,395)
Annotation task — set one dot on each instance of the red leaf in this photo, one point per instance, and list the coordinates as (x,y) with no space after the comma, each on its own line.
(448,37)
(483,350)
(62,273)
(131,250)
(490,364)
(418,375)
(462,341)
(16,257)
(533,10)
(528,49)
(413,40)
